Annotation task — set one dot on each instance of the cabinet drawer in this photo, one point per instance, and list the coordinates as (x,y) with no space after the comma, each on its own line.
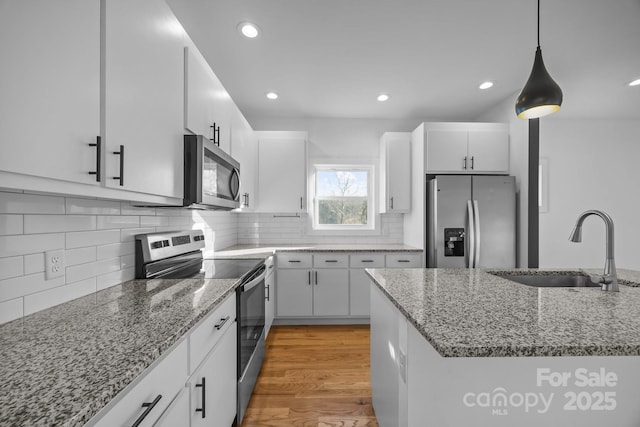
(367,261)
(205,336)
(330,261)
(294,260)
(407,260)
(160,384)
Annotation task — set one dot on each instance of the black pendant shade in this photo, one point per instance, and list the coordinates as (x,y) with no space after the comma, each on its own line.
(541,95)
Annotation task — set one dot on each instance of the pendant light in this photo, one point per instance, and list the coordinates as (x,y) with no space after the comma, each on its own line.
(541,95)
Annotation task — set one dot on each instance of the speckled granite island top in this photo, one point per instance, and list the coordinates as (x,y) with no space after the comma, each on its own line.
(265,250)
(60,366)
(471,313)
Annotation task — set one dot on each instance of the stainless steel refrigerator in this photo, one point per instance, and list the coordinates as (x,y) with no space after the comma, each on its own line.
(471,221)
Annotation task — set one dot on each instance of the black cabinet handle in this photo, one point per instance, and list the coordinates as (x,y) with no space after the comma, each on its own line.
(220,324)
(330,260)
(204,392)
(98,146)
(149,406)
(367,260)
(121,154)
(464,164)
(391,203)
(316,278)
(218,136)
(404,260)
(301,203)
(268,293)
(294,260)
(309,277)
(471,162)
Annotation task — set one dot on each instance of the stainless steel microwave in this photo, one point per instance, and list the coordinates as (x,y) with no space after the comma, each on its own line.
(211,176)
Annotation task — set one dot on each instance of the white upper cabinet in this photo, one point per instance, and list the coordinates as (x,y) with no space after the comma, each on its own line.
(244,148)
(50,88)
(208,106)
(465,148)
(282,171)
(395,172)
(143,97)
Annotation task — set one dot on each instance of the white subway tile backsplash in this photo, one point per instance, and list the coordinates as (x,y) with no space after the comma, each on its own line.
(11,310)
(127,261)
(18,203)
(154,221)
(110,222)
(111,279)
(30,244)
(11,224)
(92,269)
(11,267)
(91,238)
(127,209)
(92,206)
(79,256)
(25,285)
(180,221)
(128,235)
(115,250)
(34,224)
(34,263)
(49,298)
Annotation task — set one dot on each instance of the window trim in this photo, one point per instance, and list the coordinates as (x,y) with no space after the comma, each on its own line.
(371,225)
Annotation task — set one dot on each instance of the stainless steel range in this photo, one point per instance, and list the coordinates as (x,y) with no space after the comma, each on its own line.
(178,255)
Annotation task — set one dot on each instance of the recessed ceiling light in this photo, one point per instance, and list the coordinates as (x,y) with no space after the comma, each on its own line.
(383,97)
(272,95)
(636,82)
(249,30)
(486,85)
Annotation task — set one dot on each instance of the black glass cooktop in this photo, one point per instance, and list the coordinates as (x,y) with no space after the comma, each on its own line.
(228,268)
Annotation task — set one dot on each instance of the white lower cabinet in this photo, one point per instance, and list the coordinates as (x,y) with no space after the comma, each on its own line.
(269,296)
(145,401)
(331,292)
(294,294)
(177,412)
(213,385)
(359,282)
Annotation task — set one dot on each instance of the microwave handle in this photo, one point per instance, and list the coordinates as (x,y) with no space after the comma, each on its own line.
(234,191)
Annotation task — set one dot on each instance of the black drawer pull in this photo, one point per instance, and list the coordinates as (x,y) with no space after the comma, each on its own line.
(98,146)
(294,260)
(203,398)
(121,154)
(367,260)
(219,325)
(404,260)
(331,260)
(149,406)
(268,293)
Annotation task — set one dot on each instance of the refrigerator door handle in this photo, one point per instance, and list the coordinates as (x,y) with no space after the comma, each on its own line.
(471,234)
(476,220)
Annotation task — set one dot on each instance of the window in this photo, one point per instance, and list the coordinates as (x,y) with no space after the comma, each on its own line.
(343,197)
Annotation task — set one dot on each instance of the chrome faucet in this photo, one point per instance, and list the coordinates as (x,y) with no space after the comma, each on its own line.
(609,279)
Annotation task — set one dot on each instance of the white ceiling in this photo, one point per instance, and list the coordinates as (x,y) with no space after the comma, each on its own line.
(331,58)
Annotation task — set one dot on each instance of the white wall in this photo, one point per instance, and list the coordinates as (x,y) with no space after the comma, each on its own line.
(593,164)
(518,165)
(96,237)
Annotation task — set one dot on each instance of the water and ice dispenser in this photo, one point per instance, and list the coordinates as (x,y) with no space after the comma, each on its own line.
(454,242)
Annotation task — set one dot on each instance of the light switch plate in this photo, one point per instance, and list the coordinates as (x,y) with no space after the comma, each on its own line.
(53,264)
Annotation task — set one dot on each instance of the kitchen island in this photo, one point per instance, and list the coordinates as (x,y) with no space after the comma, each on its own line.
(453,347)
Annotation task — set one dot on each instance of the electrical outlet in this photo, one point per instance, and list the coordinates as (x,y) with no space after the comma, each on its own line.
(54,264)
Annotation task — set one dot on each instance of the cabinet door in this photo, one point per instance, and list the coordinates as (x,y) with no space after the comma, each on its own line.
(446,151)
(294,293)
(177,413)
(199,94)
(222,114)
(270,300)
(244,148)
(281,173)
(144,97)
(331,292)
(359,284)
(216,381)
(395,166)
(489,151)
(50,88)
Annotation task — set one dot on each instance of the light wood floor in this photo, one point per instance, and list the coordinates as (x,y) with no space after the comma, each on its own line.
(314,376)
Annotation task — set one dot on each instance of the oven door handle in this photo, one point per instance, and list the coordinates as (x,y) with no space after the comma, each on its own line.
(253,283)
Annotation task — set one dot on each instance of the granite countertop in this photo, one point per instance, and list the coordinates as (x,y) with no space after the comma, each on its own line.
(62,365)
(266,250)
(471,313)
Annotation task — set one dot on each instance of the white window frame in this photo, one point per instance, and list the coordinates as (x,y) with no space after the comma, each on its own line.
(370,226)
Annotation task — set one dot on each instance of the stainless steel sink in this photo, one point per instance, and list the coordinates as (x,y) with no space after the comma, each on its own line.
(574,280)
